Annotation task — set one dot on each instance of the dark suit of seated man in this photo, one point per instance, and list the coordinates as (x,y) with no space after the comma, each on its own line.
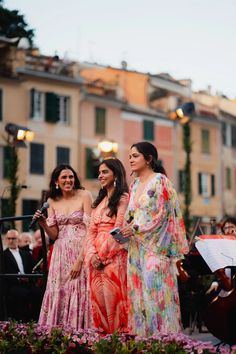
(23,297)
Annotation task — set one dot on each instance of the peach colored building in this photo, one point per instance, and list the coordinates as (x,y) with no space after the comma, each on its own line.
(72,107)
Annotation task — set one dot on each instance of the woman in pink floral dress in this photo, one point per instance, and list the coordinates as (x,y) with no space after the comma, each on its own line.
(157,241)
(108,258)
(66,299)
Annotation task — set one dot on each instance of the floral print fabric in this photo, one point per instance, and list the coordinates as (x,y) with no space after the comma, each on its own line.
(66,301)
(159,240)
(109,284)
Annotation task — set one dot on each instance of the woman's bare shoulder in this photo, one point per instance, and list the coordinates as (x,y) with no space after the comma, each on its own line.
(51,202)
(84,193)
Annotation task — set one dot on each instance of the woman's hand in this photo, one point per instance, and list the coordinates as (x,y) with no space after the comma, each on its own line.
(75,271)
(181,272)
(40,218)
(214,286)
(127,231)
(96,262)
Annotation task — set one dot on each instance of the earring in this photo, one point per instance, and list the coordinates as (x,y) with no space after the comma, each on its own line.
(57,187)
(114,183)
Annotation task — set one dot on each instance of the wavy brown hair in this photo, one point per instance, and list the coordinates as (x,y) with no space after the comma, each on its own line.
(56,193)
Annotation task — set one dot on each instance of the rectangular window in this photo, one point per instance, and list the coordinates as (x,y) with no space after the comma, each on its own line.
(1,104)
(181,181)
(37,158)
(228,179)
(205,139)
(100,120)
(57,108)
(28,206)
(212,185)
(92,163)
(148,130)
(233,131)
(63,106)
(63,155)
(223,133)
(227,131)
(206,184)
(36,104)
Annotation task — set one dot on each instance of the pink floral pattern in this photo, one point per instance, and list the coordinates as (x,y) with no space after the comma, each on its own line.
(159,240)
(66,301)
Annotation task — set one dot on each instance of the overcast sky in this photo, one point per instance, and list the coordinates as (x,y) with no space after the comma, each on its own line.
(193,39)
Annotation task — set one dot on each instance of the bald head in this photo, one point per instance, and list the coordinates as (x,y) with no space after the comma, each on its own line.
(12,238)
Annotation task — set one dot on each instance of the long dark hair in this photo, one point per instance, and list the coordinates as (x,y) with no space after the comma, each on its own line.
(150,154)
(121,185)
(56,193)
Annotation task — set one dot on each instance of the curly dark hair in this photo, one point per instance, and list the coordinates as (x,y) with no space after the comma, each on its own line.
(121,187)
(56,193)
(150,154)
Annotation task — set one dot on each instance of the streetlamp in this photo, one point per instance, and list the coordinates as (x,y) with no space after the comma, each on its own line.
(107,148)
(183,116)
(16,138)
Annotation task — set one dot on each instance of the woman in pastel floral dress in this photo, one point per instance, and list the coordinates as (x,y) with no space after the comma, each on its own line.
(157,241)
(107,258)
(66,299)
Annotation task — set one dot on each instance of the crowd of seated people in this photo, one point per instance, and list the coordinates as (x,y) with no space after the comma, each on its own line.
(23,296)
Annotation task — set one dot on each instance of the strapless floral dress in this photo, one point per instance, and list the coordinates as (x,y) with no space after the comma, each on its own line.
(66,301)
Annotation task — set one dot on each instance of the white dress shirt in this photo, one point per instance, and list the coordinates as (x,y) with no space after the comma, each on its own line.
(17,256)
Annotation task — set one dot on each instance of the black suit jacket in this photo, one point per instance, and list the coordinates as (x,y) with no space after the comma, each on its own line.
(11,267)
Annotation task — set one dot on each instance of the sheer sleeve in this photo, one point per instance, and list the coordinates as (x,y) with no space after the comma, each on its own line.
(124,201)
(163,229)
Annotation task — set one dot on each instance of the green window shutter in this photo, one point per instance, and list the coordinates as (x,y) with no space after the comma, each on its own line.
(63,155)
(205,141)
(199,183)
(228,178)
(28,206)
(100,120)
(212,185)
(148,130)
(52,108)
(37,158)
(1,105)
(7,159)
(233,136)
(32,108)
(92,164)
(181,181)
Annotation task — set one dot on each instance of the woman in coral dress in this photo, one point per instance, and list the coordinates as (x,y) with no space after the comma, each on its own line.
(107,258)
(66,299)
(157,241)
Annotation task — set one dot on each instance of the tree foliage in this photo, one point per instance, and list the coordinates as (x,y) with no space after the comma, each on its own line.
(13,24)
(187,175)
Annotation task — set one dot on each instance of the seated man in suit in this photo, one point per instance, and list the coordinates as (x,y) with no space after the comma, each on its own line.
(23,298)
